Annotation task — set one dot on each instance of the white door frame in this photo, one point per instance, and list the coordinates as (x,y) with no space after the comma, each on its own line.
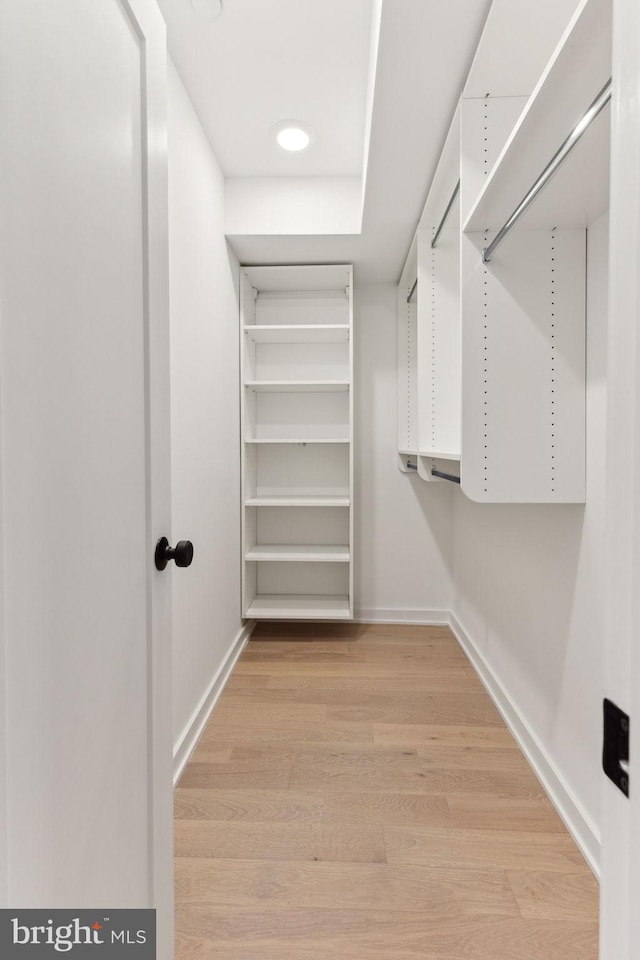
(148,21)
(620,870)
(4,826)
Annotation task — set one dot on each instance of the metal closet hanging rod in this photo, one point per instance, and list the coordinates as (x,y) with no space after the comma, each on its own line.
(445,215)
(439,229)
(559,156)
(444,476)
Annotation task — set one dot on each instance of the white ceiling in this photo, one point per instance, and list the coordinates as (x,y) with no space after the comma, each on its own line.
(262,61)
(266,60)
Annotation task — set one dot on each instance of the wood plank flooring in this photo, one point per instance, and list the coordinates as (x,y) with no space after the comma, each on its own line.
(356,796)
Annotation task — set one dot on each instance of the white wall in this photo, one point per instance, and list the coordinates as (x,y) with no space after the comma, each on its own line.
(403,526)
(313,206)
(204,411)
(529,592)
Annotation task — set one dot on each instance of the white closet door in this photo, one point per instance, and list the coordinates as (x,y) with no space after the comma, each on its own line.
(86,745)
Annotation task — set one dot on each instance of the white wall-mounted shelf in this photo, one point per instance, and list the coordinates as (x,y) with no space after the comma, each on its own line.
(299,440)
(297,450)
(294,501)
(578,193)
(298,386)
(289,552)
(298,333)
(301,281)
(286,607)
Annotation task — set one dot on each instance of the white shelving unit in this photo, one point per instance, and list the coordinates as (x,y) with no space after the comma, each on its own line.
(499,368)
(297,442)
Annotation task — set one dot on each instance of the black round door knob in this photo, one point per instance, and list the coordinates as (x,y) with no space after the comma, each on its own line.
(182,553)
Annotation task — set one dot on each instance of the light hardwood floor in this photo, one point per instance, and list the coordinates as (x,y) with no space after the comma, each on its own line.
(356,796)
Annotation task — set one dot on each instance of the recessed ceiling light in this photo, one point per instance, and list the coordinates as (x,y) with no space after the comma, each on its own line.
(207,8)
(293,135)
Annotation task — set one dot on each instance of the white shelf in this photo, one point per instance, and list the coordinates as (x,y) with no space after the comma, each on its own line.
(291,606)
(304,280)
(294,501)
(298,333)
(303,440)
(408,453)
(303,553)
(298,386)
(439,455)
(577,71)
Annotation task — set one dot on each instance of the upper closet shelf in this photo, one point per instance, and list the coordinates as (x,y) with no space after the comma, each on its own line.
(298,386)
(298,333)
(576,73)
(307,281)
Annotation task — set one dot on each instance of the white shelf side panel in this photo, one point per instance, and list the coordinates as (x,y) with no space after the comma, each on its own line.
(352,492)
(439,347)
(407,370)
(247,458)
(486,125)
(578,193)
(523,368)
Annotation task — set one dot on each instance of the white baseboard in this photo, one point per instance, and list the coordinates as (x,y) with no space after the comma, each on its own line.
(430,618)
(193,730)
(577,822)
